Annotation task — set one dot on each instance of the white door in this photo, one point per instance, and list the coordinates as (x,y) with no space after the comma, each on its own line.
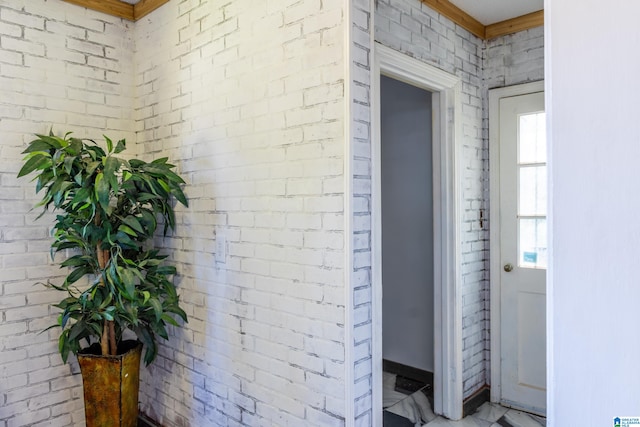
(523,251)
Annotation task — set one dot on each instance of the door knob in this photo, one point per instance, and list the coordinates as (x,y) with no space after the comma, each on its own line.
(508,267)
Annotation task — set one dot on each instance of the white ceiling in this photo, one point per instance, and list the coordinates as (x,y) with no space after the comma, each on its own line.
(485,11)
(492,11)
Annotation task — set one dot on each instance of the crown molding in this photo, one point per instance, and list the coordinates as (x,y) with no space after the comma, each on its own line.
(445,7)
(116,8)
(145,7)
(121,9)
(457,15)
(468,22)
(521,23)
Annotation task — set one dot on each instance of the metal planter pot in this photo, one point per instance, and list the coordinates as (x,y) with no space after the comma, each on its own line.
(111,385)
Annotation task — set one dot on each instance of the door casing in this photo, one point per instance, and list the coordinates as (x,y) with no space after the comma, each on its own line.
(447,107)
(494,219)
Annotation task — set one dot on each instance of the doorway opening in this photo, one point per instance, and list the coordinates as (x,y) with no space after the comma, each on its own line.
(442,305)
(407,251)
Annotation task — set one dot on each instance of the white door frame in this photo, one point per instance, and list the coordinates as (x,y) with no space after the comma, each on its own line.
(494,219)
(447,107)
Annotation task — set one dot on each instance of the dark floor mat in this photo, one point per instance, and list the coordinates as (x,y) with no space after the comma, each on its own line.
(392,420)
(409,385)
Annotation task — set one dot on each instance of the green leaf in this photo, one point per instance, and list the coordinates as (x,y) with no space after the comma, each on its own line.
(180,312)
(120,146)
(63,346)
(170,320)
(36,162)
(111,167)
(75,261)
(133,222)
(128,279)
(179,195)
(77,330)
(38,145)
(108,315)
(126,229)
(164,185)
(159,329)
(76,274)
(145,197)
(75,146)
(166,270)
(68,164)
(102,191)
(136,163)
(82,195)
(157,308)
(109,144)
(107,301)
(151,349)
(125,240)
(54,141)
(174,178)
(91,167)
(155,169)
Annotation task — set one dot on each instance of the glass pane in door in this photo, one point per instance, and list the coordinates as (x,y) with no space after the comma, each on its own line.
(532,191)
(532,251)
(532,147)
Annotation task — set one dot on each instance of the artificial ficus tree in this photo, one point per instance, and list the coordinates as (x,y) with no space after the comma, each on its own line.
(108,210)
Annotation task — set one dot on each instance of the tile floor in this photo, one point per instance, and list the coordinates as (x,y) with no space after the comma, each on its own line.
(492,415)
(416,408)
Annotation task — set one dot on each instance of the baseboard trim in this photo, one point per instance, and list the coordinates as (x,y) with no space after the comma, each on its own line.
(407,371)
(144,421)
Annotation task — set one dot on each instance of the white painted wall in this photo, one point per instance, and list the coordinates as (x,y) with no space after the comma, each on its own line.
(407,224)
(248,99)
(592,89)
(66,68)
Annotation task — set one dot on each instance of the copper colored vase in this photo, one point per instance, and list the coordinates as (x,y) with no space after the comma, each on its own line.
(111,386)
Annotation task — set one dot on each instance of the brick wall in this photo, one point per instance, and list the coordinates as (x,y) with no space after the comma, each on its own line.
(413,28)
(514,59)
(360,292)
(248,99)
(64,67)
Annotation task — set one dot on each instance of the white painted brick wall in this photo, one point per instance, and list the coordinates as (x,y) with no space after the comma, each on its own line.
(361,294)
(67,68)
(248,98)
(514,59)
(413,28)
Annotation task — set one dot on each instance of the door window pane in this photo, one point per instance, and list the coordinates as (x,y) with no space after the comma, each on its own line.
(532,251)
(532,147)
(532,190)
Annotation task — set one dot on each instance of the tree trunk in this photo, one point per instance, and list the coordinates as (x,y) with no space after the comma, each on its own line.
(108,339)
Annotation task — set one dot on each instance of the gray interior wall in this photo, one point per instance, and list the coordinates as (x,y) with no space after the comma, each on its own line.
(407,224)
